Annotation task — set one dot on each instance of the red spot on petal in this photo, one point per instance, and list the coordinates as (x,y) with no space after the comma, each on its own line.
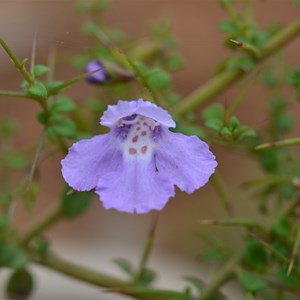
(144,149)
(143,133)
(132,151)
(135,138)
(138,128)
(145,124)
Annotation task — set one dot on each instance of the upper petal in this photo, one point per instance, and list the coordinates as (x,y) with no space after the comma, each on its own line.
(185,159)
(127,108)
(136,187)
(90,159)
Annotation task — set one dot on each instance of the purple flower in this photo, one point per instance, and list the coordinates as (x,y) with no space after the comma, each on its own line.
(97,77)
(135,166)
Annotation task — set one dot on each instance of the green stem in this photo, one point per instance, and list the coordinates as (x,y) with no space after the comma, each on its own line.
(62,266)
(52,218)
(222,81)
(15,94)
(36,157)
(220,188)
(67,84)
(222,276)
(147,249)
(285,143)
(19,65)
(96,278)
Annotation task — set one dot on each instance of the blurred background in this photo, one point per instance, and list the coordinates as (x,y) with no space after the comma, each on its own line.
(99,235)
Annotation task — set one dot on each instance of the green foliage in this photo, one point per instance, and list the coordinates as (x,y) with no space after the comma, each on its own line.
(63,104)
(61,127)
(125,266)
(38,91)
(40,70)
(250,282)
(256,257)
(215,118)
(159,79)
(20,285)
(74,204)
(12,256)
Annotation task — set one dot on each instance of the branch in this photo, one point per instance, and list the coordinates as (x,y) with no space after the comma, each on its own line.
(224,80)
(115,285)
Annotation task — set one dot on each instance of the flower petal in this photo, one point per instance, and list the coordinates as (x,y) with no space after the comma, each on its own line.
(185,159)
(88,160)
(135,188)
(98,77)
(127,108)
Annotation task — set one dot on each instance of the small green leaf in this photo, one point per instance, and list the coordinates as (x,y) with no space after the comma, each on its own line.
(214,124)
(159,79)
(233,123)
(225,132)
(229,27)
(42,117)
(125,266)
(174,63)
(250,282)
(53,85)
(215,111)
(256,256)
(63,127)
(19,285)
(39,70)
(75,204)
(297,2)
(42,247)
(38,91)
(282,228)
(146,278)
(63,105)
(13,257)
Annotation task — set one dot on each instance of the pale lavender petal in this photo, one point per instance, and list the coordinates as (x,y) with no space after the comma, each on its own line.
(156,113)
(135,188)
(128,108)
(90,159)
(185,159)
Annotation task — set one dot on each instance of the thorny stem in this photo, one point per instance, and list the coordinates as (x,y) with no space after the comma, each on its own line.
(19,65)
(36,157)
(228,270)
(224,80)
(96,278)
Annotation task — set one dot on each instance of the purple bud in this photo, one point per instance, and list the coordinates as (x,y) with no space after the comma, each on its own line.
(98,77)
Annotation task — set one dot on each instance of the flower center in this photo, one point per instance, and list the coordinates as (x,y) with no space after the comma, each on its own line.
(138,143)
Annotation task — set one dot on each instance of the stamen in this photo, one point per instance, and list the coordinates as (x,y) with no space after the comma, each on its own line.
(120,123)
